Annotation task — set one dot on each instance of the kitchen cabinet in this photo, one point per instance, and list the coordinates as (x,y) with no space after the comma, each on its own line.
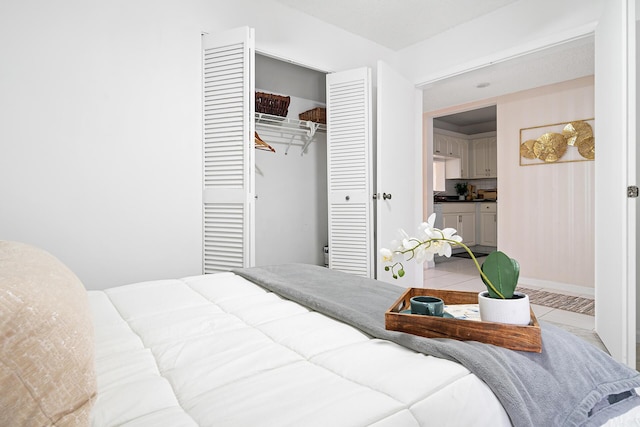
(448,145)
(454,169)
(456,151)
(489,224)
(462,217)
(484,155)
(439,145)
(454,148)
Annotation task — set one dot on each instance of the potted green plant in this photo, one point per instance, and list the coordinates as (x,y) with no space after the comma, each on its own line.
(499,303)
(461,190)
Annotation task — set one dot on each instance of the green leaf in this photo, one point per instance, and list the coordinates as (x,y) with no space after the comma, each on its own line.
(401,273)
(503,272)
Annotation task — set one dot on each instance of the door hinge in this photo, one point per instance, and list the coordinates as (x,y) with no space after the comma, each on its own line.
(632,191)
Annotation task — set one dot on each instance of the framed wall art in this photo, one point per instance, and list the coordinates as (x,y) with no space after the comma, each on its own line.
(561,142)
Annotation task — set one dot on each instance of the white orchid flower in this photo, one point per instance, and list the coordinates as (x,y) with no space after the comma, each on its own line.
(425,229)
(429,242)
(444,246)
(424,253)
(387,255)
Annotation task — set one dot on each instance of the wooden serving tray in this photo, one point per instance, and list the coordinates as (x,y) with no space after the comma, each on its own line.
(514,337)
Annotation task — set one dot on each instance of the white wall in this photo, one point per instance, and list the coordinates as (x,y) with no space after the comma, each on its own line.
(100,140)
(100,137)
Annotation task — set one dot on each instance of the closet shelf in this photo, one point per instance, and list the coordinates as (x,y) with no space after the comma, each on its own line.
(290,126)
(287,124)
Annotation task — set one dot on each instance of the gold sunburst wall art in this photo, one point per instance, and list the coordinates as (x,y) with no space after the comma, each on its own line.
(561,142)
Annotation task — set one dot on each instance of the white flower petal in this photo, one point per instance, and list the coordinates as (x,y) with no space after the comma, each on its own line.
(448,232)
(387,255)
(432,220)
(447,250)
(434,233)
(407,244)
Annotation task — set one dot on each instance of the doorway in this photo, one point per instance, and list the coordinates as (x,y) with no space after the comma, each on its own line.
(465,176)
(617,319)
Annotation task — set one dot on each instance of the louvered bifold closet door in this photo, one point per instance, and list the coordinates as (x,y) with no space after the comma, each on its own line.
(228,171)
(349,170)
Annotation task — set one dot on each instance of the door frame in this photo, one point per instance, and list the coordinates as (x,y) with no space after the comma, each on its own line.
(427,143)
(615,215)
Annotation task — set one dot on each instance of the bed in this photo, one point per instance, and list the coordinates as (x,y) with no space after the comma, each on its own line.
(286,345)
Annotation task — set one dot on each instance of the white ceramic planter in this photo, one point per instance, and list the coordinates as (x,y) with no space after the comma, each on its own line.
(513,311)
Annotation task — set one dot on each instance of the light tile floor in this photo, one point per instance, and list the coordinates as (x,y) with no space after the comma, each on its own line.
(461,275)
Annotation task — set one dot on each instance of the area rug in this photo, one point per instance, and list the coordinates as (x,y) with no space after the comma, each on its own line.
(575,304)
(467,256)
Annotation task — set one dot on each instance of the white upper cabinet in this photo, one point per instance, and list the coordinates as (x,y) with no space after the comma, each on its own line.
(454,148)
(448,145)
(483,153)
(457,152)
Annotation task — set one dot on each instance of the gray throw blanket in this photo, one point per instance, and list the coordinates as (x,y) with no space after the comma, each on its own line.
(571,383)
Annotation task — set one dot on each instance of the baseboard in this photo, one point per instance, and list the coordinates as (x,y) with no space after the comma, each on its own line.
(557,286)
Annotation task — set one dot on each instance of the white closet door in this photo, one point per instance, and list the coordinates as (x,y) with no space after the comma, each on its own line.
(615,132)
(349,171)
(399,167)
(228,141)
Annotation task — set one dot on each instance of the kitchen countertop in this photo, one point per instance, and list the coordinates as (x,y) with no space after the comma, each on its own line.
(466,201)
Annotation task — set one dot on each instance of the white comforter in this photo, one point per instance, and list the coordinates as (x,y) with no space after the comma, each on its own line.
(219,350)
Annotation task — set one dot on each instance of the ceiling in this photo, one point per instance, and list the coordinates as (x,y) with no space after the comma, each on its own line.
(556,64)
(563,62)
(396,24)
(469,122)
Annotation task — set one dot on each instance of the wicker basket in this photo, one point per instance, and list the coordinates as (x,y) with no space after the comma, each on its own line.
(318,115)
(272,104)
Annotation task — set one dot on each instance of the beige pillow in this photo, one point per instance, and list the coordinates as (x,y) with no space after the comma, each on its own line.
(47,374)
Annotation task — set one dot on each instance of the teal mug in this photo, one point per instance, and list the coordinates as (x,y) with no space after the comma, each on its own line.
(430,306)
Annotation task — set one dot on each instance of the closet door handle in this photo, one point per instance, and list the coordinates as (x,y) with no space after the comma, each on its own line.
(347,198)
(386,196)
